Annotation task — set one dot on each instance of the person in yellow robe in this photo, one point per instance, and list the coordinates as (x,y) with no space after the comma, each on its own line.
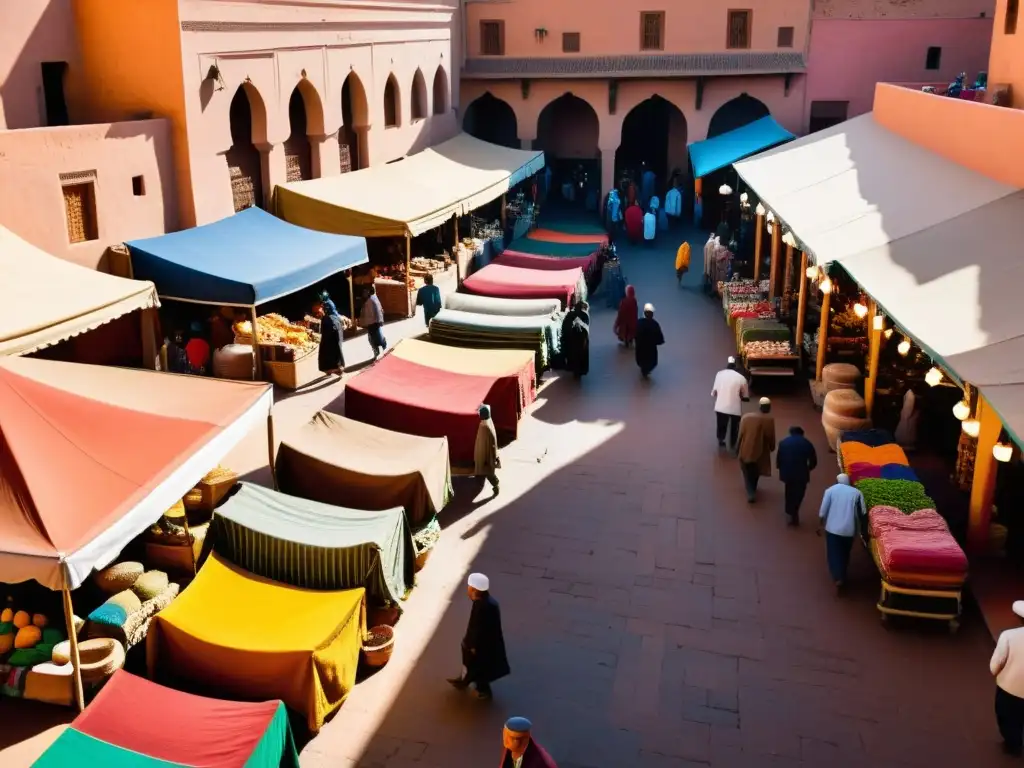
(682,261)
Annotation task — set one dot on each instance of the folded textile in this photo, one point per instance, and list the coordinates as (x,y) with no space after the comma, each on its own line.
(861,470)
(882,518)
(853,452)
(898,472)
(920,552)
(873,438)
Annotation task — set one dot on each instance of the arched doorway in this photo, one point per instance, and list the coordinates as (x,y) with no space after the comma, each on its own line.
(441,91)
(305,115)
(489,118)
(354,113)
(653,138)
(567,131)
(736,113)
(392,105)
(248,120)
(419,96)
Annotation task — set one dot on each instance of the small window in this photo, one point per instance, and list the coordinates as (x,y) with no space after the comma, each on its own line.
(53,92)
(652,30)
(825,114)
(785,37)
(80,212)
(934,57)
(570,42)
(391,110)
(492,38)
(138,186)
(1010,22)
(739,29)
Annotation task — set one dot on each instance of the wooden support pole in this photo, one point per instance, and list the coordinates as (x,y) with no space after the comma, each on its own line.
(455,236)
(503,215)
(983,485)
(787,279)
(408,273)
(351,297)
(758,234)
(801,307)
(76,659)
(256,344)
(874,350)
(773,276)
(826,301)
(271,453)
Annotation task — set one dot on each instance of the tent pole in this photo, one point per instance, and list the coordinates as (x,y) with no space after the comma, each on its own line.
(787,279)
(351,297)
(76,660)
(758,234)
(801,307)
(270,448)
(503,219)
(408,270)
(874,348)
(256,344)
(773,277)
(826,301)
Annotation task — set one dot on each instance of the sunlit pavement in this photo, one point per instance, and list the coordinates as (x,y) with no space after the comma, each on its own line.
(653,618)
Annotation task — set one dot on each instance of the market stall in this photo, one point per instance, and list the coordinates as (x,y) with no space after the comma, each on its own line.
(554,235)
(552,248)
(135,722)
(97,454)
(313,545)
(488,305)
(342,461)
(517,283)
(539,333)
(45,300)
(243,262)
(253,638)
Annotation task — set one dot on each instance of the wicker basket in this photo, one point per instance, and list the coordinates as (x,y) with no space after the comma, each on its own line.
(378,645)
(304,370)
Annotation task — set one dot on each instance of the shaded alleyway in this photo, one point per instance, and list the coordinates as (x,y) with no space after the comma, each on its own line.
(653,618)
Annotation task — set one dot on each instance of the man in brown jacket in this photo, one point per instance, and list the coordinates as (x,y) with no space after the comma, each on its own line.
(755,445)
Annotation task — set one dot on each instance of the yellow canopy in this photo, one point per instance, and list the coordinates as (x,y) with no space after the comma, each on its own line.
(411,196)
(45,300)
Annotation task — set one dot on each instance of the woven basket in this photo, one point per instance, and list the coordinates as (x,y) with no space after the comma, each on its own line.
(378,645)
(118,577)
(304,370)
(100,657)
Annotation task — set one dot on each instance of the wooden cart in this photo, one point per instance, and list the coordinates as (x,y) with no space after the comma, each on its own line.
(771,365)
(932,603)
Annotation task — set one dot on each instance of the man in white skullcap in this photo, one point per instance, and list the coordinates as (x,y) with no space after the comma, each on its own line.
(483,647)
(521,750)
(755,445)
(842,508)
(730,391)
(1007,666)
(648,338)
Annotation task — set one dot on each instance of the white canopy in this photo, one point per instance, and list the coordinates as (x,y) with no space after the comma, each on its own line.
(936,244)
(45,300)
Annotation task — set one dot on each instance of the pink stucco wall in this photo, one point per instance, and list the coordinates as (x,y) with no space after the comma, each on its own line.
(849,56)
(31,197)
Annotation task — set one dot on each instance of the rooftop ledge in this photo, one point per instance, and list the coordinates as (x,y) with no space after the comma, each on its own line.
(635,66)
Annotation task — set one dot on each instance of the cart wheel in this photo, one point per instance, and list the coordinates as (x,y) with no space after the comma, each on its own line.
(954,625)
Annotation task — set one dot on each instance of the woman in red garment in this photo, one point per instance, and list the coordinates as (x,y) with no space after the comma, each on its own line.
(634,224)
(625,321)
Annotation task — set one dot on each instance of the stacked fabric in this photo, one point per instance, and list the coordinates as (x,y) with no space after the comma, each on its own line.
(852,452)
(916,550)
(512,258)
(555,235)
(504,282)
(538,333)
(548,248)
(489,305)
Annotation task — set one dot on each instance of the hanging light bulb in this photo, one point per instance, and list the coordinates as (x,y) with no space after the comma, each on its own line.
(760,211)
(962,410)
(888,333)
(860,310)
(971,427)
(769,225)
(789,240)
(771,216)
(903,348)
(812,272)
(744,197)
(826,285)
(725,189)
(1002,452)
(934,377)
(878,323)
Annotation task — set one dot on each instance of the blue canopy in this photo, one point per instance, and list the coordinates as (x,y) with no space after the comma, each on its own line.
(245,259)
(724,150)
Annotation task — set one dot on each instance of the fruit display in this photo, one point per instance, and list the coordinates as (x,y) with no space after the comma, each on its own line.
(767,349)
(904,495)
(275,329)
(750,309)
(744,288)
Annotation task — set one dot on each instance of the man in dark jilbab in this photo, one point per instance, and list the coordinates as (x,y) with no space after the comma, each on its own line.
(520,750)
(330,358)
(648,338)
(576,340)
(483,647)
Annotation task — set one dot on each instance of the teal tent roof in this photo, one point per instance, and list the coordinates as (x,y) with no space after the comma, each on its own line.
(712,154)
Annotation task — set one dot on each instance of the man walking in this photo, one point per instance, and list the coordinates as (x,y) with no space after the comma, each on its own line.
(485,451)
(1007,666)
(371,317)
(755,445)
(795,459)
(429,297)
(483,647)
(520,749)
(730,390)
(841,506)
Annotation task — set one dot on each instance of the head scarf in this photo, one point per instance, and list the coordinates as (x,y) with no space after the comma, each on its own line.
(328,305)
(485,412)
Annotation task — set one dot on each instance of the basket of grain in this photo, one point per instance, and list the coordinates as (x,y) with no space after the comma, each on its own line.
(378,644)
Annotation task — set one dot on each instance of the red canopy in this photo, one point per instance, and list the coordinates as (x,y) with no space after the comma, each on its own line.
(90,456)
(546,263)
(518,283)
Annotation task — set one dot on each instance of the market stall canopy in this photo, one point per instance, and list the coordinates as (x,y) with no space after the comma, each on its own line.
(45,300)
(935,243)
(725,149)
(411,196)
(246,259)
(92,455)
(127,724)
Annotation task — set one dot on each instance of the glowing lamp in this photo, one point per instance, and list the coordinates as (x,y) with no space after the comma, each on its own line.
(769,224)
(771,216)
(1002,452)
(878,323)
(789,240)
(903,348)
(760,211)
(888,333)
(860,310)
(725,189)
(826,286)
(962,410)
(744,197)
(971,427)
(812,272)
(934,377)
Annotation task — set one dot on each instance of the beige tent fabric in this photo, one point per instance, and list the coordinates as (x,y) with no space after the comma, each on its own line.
(934,243)
(45,300)
(462,360)
(339,461)
(410,196)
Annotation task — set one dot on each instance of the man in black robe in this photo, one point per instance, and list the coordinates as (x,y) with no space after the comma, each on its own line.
(576,340)
(648,338)
(330,358)
(520,748)
(483,647)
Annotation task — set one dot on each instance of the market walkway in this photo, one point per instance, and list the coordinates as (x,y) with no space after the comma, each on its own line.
(653,618)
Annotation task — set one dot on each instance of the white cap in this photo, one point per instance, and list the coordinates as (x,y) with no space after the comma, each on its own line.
(1018,608)
(648,307)
(479,581)
(731,360)
(764,401)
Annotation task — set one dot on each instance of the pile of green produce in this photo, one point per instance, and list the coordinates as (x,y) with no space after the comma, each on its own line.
(907,496)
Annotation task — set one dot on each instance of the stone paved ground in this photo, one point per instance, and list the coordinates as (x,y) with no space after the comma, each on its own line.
(653,618)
